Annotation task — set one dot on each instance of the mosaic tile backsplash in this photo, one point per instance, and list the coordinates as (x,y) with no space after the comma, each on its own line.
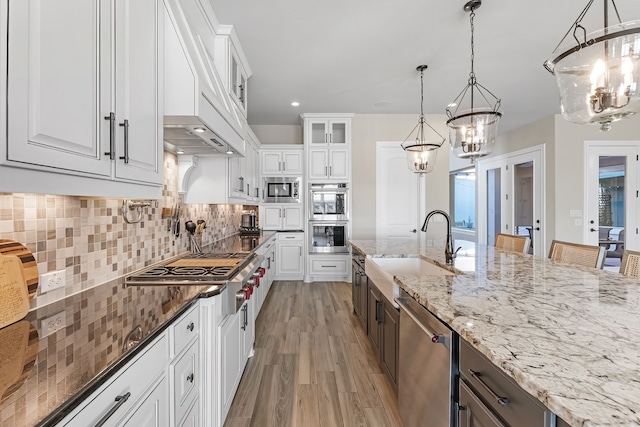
(88,238)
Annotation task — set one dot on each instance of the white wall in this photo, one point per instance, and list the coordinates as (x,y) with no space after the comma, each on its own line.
(268,134)
(367,129)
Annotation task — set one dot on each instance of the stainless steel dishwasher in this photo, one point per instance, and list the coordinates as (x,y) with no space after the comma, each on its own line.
(427,367)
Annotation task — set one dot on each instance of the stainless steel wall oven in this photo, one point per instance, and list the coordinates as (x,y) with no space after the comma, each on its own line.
(328,237)
(328,202)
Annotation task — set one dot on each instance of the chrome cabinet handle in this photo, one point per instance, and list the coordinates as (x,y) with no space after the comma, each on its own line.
(190,327)
(330,170)
(300,250)
(119,402)
(329,266)
(125,125)
(504,401)
(284,166)
(325,170)
(190,378)
(279,166)
(112,136)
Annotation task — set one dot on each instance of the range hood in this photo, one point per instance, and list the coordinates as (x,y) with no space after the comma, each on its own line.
(199,116)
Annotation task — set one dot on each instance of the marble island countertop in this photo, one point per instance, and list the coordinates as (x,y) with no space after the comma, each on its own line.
(568,335)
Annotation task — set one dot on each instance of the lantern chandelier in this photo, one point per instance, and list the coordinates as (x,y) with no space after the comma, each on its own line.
(473,128)
(421,154)
(598,72)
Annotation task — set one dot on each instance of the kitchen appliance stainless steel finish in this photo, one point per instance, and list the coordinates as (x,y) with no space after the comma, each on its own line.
(328,237)
(426,363)
(328,202)
(235,271)
(248,219)
(281,190)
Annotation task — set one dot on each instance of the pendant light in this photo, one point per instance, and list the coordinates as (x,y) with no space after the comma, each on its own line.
(421,154)
(598,72)
(473,127)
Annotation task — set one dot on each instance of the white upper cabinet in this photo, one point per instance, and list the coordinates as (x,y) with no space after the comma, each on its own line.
(83,88)
(327,140)
(233,66)
(281,161)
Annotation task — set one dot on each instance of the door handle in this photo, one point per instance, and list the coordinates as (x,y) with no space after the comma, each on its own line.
(593,230)
(413,231)
(125,125)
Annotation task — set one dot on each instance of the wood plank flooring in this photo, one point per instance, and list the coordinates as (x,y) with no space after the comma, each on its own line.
(313,364)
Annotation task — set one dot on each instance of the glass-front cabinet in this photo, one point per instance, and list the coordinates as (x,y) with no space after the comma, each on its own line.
(325,132)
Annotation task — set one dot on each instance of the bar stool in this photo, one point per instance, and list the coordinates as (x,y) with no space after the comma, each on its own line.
(511,243)
(574,253)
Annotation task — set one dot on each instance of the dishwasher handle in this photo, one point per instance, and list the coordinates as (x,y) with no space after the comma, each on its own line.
(435,338)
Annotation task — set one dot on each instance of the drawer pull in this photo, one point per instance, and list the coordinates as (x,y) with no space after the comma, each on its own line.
(190,326)
(504,401)
(329,266)
(190,378)
(119,402)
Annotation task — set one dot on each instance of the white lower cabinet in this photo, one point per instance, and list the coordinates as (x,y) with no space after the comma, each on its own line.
(290,256)
(153,411)
(332,267)
(186,377)
(230,348)
(140,387)
(192,419)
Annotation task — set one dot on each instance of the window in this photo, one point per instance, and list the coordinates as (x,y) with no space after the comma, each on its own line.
(463,199)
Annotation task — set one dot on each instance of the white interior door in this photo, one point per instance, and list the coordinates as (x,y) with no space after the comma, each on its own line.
(511,197)
(397,194)
(611,193)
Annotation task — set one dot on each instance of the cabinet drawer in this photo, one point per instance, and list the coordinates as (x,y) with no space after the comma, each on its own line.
(329,266)
(186,377)
(185,330)
(290,237)
(522,409)
(135,379)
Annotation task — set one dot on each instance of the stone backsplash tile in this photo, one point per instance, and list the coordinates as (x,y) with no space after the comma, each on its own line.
(88,238)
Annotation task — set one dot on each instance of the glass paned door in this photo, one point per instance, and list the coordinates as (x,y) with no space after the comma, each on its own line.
(494,204)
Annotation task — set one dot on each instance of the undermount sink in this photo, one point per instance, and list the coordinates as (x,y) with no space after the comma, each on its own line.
(382,270)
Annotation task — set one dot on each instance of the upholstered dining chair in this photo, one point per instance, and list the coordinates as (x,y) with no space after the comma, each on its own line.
(619,250)
(630,264)
(511,243)
(574,253)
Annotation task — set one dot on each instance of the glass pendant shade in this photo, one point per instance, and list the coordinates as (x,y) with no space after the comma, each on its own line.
(421,158)
(598,73)
(423,141)
(472,133)
(474,115)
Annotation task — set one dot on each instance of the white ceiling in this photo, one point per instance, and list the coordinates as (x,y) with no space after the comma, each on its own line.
(360,56)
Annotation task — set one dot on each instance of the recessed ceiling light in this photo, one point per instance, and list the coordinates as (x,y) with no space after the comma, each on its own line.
(180,152)
(295,104)
(199,130)
(229,151)
(453,104)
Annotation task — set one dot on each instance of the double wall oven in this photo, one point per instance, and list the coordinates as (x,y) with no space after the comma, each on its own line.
(328,218)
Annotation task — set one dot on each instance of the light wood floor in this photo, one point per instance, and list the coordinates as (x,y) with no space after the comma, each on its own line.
(313,364)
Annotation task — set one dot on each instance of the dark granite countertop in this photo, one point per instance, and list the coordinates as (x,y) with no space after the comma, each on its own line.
(42,375)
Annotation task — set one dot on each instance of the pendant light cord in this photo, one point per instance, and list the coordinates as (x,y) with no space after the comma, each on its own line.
(472,75)
(421,93)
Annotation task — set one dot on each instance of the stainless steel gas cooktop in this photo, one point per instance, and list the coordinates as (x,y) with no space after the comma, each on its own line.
(193,269)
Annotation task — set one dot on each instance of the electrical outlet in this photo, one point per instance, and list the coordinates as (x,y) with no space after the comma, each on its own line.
(52,280)
(52,324)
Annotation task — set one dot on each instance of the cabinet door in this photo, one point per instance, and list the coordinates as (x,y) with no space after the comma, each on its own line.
(292,217)
(230,363)
(138,97)
(364,298)
(153,411)
(292,163)
(389,344)
(472,412)
(57,99)
(192,419)
(373,314)
(318,164)
(271,219)
(318,132)
(289,259)
(339,164)
(248,330)
(339,132)
(236,179)
(355,288)
(271,163)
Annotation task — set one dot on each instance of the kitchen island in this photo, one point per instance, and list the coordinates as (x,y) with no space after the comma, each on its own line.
(568,335)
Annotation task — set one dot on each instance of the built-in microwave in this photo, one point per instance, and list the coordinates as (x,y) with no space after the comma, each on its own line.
(281,190)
